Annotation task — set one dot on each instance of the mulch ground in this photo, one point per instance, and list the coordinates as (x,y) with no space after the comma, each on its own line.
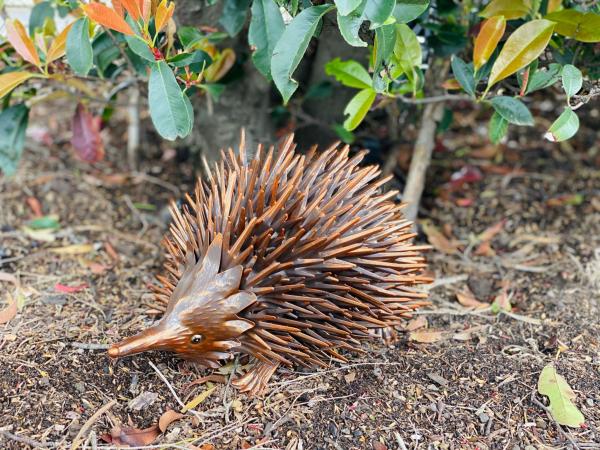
(473,385)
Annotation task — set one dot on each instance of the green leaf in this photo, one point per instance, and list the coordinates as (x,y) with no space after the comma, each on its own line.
(13,123)
(357,108)
(572,80)
(350,73)
(49,222)
(214,90)
(266,27)
(407,48)
(234,15)
(497,128)
(464,75)
(140,48)
(561,396)
(524,45)
(584,27)
(189,36)
(543,78)
(39,14)
(79,47)
(345,7)
(378,11)
(168,107)
(510,9)
(350,26)
(291,47)
(564,127)
(512,109)
(408,10)
(385,40)
(346,136)
(197,61)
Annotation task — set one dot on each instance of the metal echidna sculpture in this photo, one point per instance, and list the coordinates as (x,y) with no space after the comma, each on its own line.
(286,257)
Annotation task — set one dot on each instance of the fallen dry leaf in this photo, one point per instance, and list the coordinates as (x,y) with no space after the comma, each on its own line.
(86,139)
(167,419)
(438,240)
(426,337)
(198,399)
(58,287)
(132,436)
(467,299)
(489,233)
(350,377)
(416,323)
(111,251)
(36,207)
(75,249)
(10,311)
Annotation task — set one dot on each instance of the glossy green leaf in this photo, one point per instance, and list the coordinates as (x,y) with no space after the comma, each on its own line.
(512,109)
(584,27)
(564,127)
(168,107)
(497,128)
(79,47)
(407,48)
(291,47)
(266,27)
(378,11)
(561,396)
(234,15)
(408,10)
(350,26)
(40,12)
(524,45)
(510,9)
(572,80)
(357,108)
(349,73)
(13,123)
(140,48)
(197,61)
(463,73)
(385,39)
(189,36)
(345,7)
(542,78)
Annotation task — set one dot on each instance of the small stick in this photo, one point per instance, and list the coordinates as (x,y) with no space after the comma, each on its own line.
(87,425)
(162,377)
(547,411)
(24,440)
(89,346)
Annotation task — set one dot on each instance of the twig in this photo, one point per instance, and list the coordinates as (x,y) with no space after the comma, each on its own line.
(227,404)
(133,128)
(25,440)
(445,281)
(89,346)
(162,377)
(434,99)
(155,180)
(137,214)
(547,411)
(87,425)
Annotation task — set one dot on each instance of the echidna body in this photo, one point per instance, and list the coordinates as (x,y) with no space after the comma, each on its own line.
(287,257)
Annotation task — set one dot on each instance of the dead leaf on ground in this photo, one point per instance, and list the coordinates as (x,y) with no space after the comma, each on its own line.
(467,299)
(350,377)
(561,396)
(427,337)
(86,139)
(167,419)
(10,311)
(502,302)
(111,251)
(58,287)
(36,207)
(416,323)
(489,233)
(438,240)
(132,436)
(76,249)
(198,399)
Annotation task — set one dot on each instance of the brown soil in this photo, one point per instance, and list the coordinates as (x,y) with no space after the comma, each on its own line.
(475,388)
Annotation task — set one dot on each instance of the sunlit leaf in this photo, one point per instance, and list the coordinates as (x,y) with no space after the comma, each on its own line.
(357,108)
(564,127)
(349,73)
(266,27)
(511,9)
(407,48)
(378,11)
(561,396)
(21,42)
(220,66)
(107,17)
(291,47)
(487,40)
(572,80)
(512,109)
(163,13)
(10,80)
(58,47)
(524,45)
(584,27)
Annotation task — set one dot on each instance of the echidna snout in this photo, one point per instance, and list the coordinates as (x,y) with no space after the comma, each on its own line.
(290,258)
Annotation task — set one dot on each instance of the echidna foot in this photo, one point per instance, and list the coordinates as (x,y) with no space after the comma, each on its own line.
(255,380)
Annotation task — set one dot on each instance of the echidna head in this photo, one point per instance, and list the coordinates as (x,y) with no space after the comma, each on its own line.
(201,321)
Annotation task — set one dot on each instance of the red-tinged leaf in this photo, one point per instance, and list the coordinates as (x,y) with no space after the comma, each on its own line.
(35,205)
(58,287)
(10,311)
(484,249)
(487,40)
(22,43)
(167,419)
(146,9)
(86,139)
(107,17)
(58,46)
(492,231)
(133,8)
(467,299)
(132,436)
(379,446)
(111,251)
(468,174)
(464,202)
(118,7)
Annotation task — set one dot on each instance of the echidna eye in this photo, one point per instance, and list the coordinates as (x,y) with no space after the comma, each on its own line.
(196,339)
